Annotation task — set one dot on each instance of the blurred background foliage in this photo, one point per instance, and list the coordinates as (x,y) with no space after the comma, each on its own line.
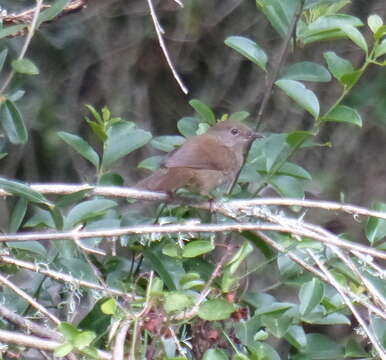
(108,54)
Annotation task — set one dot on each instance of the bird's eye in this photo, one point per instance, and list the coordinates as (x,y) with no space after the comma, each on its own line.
(234,131)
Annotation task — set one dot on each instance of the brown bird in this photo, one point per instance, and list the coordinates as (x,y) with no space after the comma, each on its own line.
(205,161)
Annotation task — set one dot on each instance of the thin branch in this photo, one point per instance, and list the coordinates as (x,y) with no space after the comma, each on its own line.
(43,269)
(11,337)
(194,228)
(28,325)
(132,193)
(119,348)
(350,305)
(29,299)
(159,31)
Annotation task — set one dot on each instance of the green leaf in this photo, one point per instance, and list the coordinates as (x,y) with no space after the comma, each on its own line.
(52,11)
(11,30)
(216,309)
(3,56)
(63,350)
(168,268)
(192,281)
(34,247)
(151,163)
(177,301)
(354,350)
(263,351)
(298,137)
(188,126)
(24,191)
(80,146)
(343,113)
(279,13)
(307,71)
(374,22)
(378,325)
(197,248)
(296,337)
(13,123)
(215,354)
(109,307)
(310,295)
(123,139)
(355,36)
(24,66)
(83,339)
(326,28)
(294,170)
(376,228)
(167,143)
(273,307)
(68,330)
(329,319)
(70,199)
(288,186)
(351,78)
(205,112)
(239,116)
(277,324)
(248,49)
(111,179)
(337,65)
(98,130)
(381,32)
(87,210)
(320,347)
(380,49)
(301,95)
(17,216)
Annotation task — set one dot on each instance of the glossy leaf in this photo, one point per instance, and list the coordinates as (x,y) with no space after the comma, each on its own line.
(320,347)
(205,112)
(3,56)
(296,336)
(326,28)
(24,66)
(81,146)
(188,126)
(123,139)
(177,301)
(239,116)
(380,49)
(279,13)
(196,248)
(167,143)
(24,191)
(88,210)
(33,247)
(301,95)
(375,227)
(310,295)
(288,186)
(111,179)
(216,309)
(17,215)
(355,36)
(375,22)
(109,307)
(63,350)
(248,49)
(11,30)
(337,65)
(151,163)
(306,71)
(298,137)
(13,123)
(68,330)
(52,11)
(343,113)
(83,339)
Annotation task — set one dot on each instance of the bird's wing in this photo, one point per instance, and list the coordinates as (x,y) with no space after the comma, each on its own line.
(208,153)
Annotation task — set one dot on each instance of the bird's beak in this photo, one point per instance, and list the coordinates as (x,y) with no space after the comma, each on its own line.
(257,135)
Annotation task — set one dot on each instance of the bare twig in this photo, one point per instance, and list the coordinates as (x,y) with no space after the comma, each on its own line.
(28,325)
(159,31)
(118,352)
(29,299)
(43,269)
(350,305)
(11,337)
